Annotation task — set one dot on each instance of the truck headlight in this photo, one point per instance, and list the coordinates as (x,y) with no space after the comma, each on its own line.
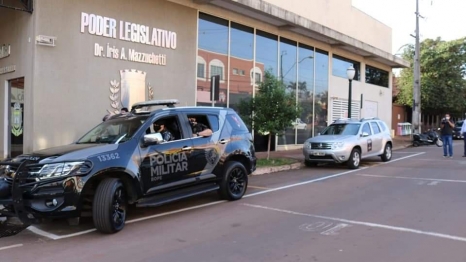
(338,145)
(63,169)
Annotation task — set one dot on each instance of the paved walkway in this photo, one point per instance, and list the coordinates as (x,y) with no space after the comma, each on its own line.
(398,143)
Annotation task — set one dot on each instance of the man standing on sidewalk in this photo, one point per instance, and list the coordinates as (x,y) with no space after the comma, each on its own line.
(447,135)
(463,132)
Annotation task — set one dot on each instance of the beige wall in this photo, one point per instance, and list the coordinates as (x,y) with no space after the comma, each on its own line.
(72,86)
(16,30)
(341,16)
(338,88)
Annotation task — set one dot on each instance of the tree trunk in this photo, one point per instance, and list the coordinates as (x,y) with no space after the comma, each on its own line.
(268,146)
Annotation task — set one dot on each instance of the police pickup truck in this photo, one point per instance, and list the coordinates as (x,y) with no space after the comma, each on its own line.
(126,161)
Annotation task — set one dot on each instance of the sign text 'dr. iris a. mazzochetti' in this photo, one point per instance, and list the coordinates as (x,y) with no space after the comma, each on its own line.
(127,31)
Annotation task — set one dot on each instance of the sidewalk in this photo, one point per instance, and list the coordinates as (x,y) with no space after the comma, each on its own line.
(297,154)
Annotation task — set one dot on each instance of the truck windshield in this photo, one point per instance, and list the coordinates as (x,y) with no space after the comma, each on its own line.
(113,131)
(342,129)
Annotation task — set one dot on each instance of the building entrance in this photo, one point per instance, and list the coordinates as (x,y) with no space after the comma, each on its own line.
(16,116)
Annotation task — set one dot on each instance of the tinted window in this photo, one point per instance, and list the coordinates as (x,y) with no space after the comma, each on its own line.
(342,129)
(113,131)
(213,120)
(236,123)
(375,127)
(384,127)
(459,124)
(341,64)
(366,129)
(376,76)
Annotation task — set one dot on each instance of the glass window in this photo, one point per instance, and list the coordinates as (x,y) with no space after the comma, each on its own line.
(342,129)
(213,120)
(200,70)
(375,127)
(242,59)
(216,70)
(376,76)
(321,90)
(341,64)
(213,49)
(236,123)
(113,131)
(266,52)
(288,73)
(366,129)
(305,92)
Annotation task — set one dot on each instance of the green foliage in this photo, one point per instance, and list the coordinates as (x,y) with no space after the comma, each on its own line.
(272,109)
(443,84)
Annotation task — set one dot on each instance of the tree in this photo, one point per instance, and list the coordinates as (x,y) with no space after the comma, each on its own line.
(272,109)
(443,72)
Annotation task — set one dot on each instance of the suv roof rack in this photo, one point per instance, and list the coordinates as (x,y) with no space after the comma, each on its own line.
(167,102)
(369,118)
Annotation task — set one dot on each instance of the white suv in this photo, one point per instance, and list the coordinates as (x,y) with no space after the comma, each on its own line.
(348,141)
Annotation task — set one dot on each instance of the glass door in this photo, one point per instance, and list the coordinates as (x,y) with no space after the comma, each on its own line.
(16,116)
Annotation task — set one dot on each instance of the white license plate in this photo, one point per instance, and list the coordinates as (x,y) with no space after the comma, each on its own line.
(318,153)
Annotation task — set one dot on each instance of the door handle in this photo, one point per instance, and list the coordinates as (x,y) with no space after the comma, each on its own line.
(224,141)
(186,148)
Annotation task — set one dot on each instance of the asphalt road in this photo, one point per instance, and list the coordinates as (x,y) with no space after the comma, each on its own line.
(409,209)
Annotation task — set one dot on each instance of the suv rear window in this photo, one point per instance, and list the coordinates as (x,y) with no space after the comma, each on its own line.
(236,123)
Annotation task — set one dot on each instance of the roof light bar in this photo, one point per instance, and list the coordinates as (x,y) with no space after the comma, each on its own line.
(166,102)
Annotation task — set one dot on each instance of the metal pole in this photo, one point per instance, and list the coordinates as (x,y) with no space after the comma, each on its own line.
(349,99)
(417,78)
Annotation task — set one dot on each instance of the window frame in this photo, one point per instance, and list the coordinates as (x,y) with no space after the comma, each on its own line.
(369,67)
(356,65)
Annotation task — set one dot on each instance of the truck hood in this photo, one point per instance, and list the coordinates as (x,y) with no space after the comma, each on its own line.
(66,152)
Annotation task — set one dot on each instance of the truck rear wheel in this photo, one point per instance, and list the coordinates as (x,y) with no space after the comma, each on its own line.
(234,182)
(109,206)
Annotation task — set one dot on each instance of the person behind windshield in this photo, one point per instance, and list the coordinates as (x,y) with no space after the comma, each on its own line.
(198,128)
(159,127)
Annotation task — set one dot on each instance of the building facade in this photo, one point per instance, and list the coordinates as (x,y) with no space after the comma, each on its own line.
(65,64)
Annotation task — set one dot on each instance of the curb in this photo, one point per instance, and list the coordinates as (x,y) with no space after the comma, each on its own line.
(272,169)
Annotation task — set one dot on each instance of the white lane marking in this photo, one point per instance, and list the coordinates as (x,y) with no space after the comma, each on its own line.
(398,152)
(12,246)
(334,230)
(174,212)
(433,183)
(304,183)
(57,237)
(415,178)
(43,233)
(368,224)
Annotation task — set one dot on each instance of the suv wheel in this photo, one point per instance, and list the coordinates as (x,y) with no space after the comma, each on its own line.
(387,153)
(234,181)
(109,206)
(354,159)
(310,163)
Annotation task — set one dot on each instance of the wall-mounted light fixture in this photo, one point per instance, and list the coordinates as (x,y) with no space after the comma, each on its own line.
(45,40)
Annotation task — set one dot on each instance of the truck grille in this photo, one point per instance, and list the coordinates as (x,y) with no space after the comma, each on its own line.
(321,146)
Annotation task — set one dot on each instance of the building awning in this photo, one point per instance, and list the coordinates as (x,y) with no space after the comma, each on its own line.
(287,20)
(18,5)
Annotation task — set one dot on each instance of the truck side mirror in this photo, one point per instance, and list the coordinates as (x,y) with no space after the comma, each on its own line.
(152,139)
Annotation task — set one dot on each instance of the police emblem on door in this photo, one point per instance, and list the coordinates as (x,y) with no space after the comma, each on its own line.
(369,145)
(17,119)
